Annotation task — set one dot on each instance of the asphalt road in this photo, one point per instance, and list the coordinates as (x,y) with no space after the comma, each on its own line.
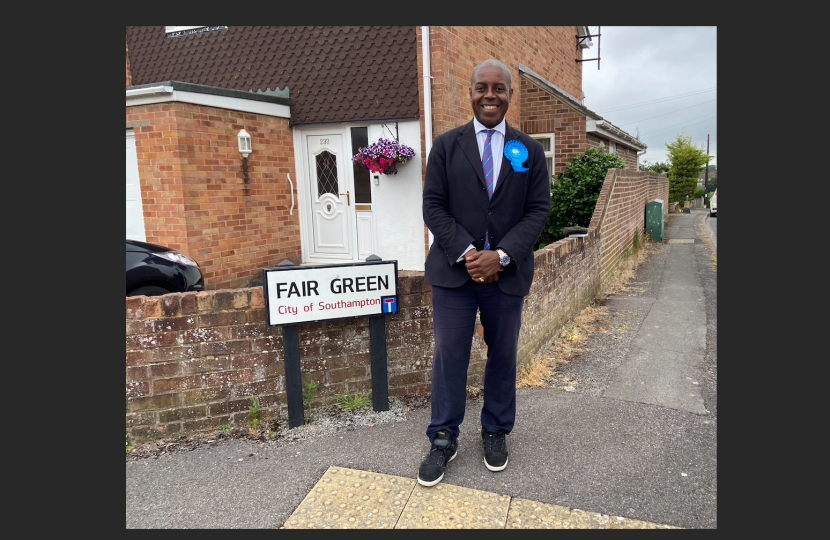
(636,437)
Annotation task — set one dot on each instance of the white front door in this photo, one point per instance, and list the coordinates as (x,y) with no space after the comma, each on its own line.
(332,212)
(135,213)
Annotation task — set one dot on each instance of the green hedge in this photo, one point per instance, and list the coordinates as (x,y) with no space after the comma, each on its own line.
(574,192)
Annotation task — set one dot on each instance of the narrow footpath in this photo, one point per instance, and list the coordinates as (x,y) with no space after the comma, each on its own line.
(634,445)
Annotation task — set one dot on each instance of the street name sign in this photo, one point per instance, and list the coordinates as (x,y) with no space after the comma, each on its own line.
(306,294)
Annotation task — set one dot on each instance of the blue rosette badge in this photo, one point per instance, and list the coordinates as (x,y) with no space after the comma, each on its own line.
(516,153)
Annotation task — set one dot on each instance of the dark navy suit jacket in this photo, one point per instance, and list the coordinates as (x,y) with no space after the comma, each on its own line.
(457,210)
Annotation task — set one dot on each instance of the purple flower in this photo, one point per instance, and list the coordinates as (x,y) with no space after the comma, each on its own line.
(392,151)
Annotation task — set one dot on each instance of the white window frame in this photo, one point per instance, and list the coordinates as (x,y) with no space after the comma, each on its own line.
(549,154)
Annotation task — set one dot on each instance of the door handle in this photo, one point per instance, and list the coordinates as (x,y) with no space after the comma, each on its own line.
(348,198)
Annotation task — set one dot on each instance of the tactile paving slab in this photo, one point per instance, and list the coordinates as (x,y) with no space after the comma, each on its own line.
(352,499)
(454,507)
(526,514)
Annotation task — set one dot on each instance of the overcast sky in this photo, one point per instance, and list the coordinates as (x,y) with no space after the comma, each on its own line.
(649,63)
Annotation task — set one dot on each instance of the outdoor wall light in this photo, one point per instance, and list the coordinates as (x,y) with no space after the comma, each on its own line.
(244,149)
(244,143)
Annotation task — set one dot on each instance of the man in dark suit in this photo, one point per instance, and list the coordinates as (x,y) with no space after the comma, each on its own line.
(486,198)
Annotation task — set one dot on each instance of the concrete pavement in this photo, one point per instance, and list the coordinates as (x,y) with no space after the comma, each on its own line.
(633,445)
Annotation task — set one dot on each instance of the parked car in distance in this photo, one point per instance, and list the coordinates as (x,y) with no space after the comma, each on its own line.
(153,270)
(713,204)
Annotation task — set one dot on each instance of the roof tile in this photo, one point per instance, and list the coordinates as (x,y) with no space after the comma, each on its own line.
(356,72)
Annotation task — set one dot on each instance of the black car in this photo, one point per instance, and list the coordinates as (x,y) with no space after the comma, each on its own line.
(153,270)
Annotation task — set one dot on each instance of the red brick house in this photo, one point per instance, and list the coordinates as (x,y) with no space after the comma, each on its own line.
(310,97)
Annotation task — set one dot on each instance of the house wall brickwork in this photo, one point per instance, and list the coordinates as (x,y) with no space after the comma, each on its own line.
(193,360)
(194,194)
(629,157)
(595,142)
(455,51)
(542,112)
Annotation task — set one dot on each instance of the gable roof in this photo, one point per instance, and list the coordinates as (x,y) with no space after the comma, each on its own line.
(595,123)
(335,73)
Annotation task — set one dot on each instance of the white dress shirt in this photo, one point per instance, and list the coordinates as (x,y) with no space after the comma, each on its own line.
(496,147)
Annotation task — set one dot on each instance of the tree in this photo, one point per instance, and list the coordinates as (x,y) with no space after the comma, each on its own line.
(575,191)
(686,163)
(712,168)
(712,185)
(658,167)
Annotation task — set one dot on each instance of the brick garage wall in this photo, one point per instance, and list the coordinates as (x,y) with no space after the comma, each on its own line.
(595,142)
(621,209)
(194,195)
(193,360)
(542,112)
(630,158)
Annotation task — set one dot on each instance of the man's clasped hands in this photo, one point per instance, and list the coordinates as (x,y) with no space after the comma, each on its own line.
(483,266)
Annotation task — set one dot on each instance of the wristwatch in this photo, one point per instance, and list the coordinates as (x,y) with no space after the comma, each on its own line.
(504,258)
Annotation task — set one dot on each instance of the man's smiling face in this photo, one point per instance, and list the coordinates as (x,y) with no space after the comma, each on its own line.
(490,95)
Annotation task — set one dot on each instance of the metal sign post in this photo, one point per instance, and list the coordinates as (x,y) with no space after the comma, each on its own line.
(305,294)
(380,382)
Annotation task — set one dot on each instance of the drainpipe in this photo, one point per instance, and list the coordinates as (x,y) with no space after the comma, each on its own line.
(427,101)
(638,157)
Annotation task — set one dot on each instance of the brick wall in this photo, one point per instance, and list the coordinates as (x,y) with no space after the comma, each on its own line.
(550,51)
(595,142)
(566,276)
(542,112)
(629,155)
(193,360)
(194,195)
(621,209)
(630,158)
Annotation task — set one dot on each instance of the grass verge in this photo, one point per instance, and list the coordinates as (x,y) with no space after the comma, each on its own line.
(540,370)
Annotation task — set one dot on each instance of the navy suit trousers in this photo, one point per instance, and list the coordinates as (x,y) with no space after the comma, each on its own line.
(453,316)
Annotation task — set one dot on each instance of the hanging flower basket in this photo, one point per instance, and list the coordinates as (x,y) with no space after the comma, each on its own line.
(383,156)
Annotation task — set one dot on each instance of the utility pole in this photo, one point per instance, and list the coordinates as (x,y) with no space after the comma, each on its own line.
(706,174)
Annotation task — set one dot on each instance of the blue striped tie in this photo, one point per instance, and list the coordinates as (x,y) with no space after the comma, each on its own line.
(487,163)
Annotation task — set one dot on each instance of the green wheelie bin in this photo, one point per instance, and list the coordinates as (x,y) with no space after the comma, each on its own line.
(654,220)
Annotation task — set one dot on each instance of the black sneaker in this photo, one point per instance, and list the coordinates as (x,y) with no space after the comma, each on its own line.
(495,449)
(435,463)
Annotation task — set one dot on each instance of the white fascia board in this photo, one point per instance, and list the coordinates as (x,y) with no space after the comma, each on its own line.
(142,93)
(596,126)
(168,29)
(162,94)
